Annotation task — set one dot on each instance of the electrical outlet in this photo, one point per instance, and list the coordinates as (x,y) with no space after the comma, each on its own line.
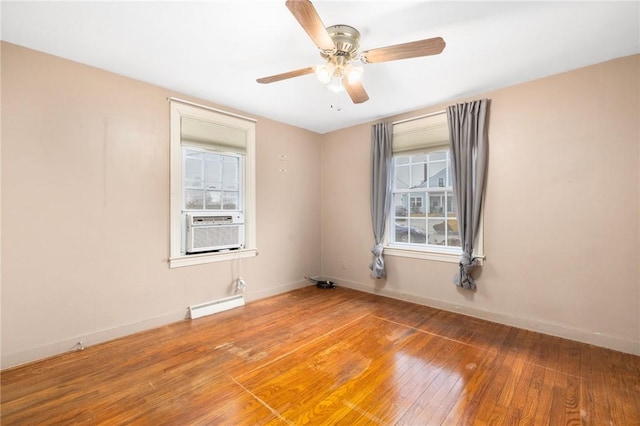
(241,284)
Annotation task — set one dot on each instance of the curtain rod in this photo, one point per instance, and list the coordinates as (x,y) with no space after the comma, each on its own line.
(231,114)
(420,116)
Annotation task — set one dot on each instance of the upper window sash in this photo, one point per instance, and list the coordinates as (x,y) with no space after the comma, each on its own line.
(212,172)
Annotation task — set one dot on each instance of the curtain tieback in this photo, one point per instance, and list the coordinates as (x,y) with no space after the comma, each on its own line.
(467,263)
(377,266)
(463,278)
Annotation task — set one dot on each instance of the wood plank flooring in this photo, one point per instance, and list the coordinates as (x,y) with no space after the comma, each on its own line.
(329,357)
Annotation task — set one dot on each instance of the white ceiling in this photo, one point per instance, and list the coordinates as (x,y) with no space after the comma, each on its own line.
(215,50)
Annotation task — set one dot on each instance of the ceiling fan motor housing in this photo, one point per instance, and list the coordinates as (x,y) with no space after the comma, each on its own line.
(346,40)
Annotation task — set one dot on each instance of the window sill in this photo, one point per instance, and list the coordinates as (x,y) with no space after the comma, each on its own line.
(422,254)
(452,256)
(199,259)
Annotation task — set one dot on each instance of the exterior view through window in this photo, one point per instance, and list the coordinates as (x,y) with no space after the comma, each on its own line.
(423,211)
(212,181)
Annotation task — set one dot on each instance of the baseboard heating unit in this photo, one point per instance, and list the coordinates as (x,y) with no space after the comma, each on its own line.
(213,307)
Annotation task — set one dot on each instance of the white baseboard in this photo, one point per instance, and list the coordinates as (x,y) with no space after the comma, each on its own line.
(261,294)
(558,330)
(89,339)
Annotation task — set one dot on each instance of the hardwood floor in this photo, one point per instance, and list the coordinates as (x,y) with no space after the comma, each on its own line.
(338,356)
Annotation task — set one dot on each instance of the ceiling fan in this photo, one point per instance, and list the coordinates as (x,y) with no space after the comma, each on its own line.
(338,45)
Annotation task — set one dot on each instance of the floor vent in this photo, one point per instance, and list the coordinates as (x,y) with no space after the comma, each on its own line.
(208,308)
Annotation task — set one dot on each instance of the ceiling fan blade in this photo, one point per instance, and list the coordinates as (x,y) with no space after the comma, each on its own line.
(285,75)
(307,16)
(355,90)
(414,49)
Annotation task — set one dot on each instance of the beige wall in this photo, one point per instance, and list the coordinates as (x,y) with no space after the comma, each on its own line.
(561,222)
(85,209)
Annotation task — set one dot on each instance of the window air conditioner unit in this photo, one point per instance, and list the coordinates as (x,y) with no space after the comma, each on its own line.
(214,231)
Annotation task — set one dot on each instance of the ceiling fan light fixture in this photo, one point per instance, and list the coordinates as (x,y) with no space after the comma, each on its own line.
(354,74)
(324,72)
(336,84)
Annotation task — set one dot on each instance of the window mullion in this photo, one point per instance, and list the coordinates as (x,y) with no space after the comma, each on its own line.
(446,214)
(204,186)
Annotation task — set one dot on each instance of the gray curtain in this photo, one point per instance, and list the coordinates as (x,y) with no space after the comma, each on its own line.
(468,136)
(381,157)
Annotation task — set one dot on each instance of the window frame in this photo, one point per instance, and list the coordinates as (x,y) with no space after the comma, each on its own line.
(423,135)
(178,110)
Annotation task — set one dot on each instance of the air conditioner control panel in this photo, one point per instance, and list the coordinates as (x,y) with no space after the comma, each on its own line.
(215,219)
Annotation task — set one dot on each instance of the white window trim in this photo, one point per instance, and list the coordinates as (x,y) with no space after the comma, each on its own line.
(199,259)
(442,254)
(180,108)
(420,253)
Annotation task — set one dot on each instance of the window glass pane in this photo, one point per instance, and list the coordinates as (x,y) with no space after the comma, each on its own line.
(442,155)
(453,235)
(212,168)
(400,205)
(230,173)
(437,174)
(193,167)
(417,231)
(436,204)
(403,159)
(402,177)
(212,185)
(401,231)
(213,200)
(417,203)
(193,199)
(230,201)
(193,183)
(418,173)
(437,232)
(234,187)
(420,158)
(451,204)
(414,234)
(191,153)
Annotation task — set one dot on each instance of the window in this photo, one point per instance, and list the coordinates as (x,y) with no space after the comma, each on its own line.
(212,185)
(422,220)
(423,211)
(212,181)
